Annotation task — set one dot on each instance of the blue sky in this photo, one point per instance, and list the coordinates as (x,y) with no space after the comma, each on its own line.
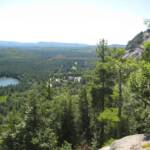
(79,21)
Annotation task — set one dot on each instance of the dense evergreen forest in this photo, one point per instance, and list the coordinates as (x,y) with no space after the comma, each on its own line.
(73,99)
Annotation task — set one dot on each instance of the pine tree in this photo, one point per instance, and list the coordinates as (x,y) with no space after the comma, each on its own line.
(68,129)
(84,116)
(32,132)
(103,86)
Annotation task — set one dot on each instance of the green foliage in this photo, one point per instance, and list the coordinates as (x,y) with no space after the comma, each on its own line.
(66,146)
(147,44)
(139,84)
(84,116)
(94,143)
(146,53)
(37,63)
(112,101)
(3,99)
(68,129)
(109,142)
(109,115)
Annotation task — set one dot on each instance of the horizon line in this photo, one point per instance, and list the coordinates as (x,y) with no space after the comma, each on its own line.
(61,42)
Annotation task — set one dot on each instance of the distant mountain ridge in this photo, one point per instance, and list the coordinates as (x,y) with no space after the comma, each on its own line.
(40,44)
(11,44)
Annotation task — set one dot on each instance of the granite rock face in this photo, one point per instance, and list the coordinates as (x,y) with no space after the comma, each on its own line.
(105,148)
(133,142)
(135,46)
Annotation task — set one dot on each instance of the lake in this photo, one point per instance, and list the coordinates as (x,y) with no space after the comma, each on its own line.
(6,81)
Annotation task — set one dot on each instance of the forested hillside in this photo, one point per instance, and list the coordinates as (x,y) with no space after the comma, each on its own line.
(73,100)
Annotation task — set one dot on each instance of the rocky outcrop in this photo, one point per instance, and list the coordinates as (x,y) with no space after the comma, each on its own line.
(135,46)
(105,148)
(133,142)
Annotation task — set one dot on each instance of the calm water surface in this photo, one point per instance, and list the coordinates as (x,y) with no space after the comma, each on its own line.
(5,81)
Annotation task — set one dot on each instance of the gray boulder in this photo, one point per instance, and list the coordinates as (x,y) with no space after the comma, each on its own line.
(132,142)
